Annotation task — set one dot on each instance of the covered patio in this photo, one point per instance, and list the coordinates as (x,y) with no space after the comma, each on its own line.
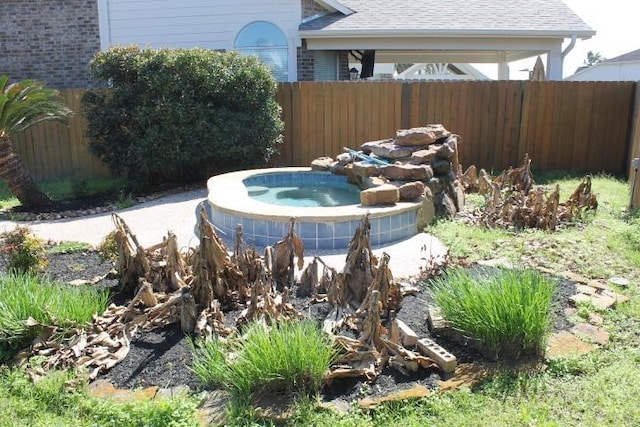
(464,31)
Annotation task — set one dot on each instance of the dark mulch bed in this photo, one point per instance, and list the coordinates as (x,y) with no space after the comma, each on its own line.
(162,357)
(89,204)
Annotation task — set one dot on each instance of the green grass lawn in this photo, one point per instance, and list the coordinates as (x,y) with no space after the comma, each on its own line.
(601,388)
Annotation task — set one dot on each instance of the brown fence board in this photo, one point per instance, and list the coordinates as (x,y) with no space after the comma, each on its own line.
(617,156)
(458,122)
(592,152)
(581,126)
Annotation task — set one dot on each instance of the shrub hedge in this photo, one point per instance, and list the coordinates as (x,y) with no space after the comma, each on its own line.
(177,115)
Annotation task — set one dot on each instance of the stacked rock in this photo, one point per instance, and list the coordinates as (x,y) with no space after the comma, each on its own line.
(419,163)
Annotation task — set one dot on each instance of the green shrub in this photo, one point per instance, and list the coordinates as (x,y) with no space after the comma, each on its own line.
(26,296)
(509,311)
(108,248)
(178,114)
(286,357)
(69,248)
(24,251)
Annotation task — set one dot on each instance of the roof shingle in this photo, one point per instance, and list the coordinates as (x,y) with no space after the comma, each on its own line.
(626,57)
(483,16)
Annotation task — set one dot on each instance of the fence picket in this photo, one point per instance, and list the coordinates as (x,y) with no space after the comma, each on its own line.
(581,126)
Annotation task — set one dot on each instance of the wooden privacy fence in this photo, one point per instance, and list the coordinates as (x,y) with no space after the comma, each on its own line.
(580,126)
(52,150)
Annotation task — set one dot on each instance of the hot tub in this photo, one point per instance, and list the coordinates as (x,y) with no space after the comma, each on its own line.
(232,201)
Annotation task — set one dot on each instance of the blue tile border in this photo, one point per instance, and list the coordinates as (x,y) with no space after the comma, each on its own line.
(320,235)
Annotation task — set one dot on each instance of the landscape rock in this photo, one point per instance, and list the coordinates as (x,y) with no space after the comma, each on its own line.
(385,194)
(339,406)
(592,333)
(441,166)
(601,299)
(468,375)
(274,408)
(563,344)
(396,172)
(496,262)
(372,181)
(337,168)
(322,164)
(414,392)
(619,281)
(411,191)
(437,184)
(213,412)
(389,150)
(367,147)
(435,320)
(406,172)
(424,156)
(364,169)
(445,207)
(344,158)
(595,319)
(446,151)
(421,136)
(103,389)
(427,211)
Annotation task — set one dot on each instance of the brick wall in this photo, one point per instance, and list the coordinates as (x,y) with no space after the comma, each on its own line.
(48,40)
(306,63)
(343,65)
(305,57)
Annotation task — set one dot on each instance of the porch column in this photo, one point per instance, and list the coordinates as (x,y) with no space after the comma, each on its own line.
(554,63)
(503,66)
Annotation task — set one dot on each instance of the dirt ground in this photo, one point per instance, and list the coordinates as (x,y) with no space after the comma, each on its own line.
(162,357)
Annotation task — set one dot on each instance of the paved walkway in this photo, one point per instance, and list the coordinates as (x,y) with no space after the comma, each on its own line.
(150,222)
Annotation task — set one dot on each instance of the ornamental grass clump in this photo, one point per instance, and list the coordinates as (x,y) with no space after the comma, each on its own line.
(509,311)
(47,303)
(285,357)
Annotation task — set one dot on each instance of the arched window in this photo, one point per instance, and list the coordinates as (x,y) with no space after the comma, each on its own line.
(267,42)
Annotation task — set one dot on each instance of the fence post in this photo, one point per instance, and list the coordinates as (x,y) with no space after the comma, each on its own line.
(634,150)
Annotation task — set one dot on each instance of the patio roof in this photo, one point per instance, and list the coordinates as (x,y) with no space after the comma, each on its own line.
(533,18)
(471,31)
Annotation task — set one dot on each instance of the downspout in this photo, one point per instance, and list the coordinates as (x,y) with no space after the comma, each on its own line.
(570,47)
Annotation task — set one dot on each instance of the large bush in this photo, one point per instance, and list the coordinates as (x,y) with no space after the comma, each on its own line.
(177,115)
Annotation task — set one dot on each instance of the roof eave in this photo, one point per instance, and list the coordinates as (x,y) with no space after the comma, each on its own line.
(335,5)
(582,34)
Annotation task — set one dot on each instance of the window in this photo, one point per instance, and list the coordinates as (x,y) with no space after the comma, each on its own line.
(325,65)
(267,42)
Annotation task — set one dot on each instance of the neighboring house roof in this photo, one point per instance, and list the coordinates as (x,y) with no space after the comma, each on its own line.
(622,67)
(626,57)
(438,17)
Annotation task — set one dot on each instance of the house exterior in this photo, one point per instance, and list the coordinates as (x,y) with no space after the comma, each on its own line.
(300,39)
(268,29)
(51,41)
(625,67)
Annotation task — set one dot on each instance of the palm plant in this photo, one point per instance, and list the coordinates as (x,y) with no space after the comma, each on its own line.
(22,105)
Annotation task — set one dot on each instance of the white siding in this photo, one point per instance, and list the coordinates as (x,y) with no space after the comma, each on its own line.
(616,71)
(211,24)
